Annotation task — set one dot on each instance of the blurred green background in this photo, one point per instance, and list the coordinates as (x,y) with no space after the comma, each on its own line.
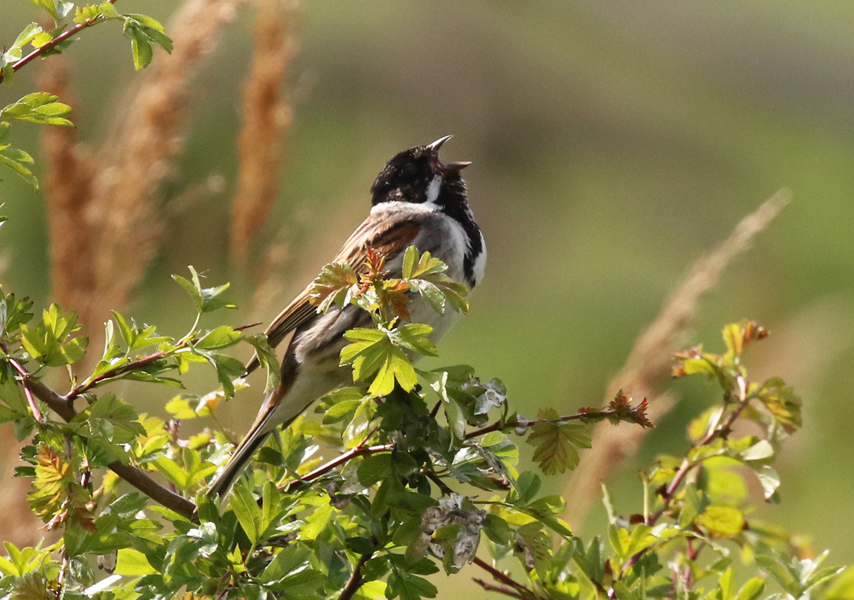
(613,144)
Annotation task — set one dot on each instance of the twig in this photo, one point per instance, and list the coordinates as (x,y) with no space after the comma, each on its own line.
(443,487)
(500,426)
(118,371)
(338,461)
(505,579)
(25,382)
(355,582)
(498,588)
(721,431)
(131,474)
(56,41)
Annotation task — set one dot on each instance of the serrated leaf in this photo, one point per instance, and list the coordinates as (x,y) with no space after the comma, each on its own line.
(557,444)
(336,283)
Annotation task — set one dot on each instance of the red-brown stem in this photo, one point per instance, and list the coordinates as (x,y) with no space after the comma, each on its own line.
(499,576)
(718,432)
(512,424)
(132,475)
(498,588)
(438,481)
(336,462)
(56,41)
(721,431)
(25,382)
(355,581)
(85,387)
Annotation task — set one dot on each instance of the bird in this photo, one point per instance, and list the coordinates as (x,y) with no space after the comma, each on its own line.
(416,200)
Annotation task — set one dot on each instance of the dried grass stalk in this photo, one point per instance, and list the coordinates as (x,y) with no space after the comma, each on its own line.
(649,361)
(136,160)
(67,187)
(267,114)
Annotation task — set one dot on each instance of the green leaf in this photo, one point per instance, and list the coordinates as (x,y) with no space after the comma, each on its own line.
(316,521)
(17,160)
(427,275)
(286,562)
(50,343)
(751,589)
(373,354)
(414,337)
(205,299)
(409,587)
(721,521)
(142,32)
(111,419)
(133,563)
(221,337)
(337,283)
(58,9)
(841,588)
(38,107)
(246,509)
(557,444)
(172,471)
(88,13)
(267,357)
(375,468)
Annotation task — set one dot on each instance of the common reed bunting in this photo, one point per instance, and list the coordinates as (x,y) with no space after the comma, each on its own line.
(416,200)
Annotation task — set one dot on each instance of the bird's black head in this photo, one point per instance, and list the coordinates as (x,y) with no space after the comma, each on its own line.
(417,175)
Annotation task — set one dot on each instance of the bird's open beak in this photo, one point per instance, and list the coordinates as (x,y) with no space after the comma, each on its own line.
(454,167)
(438,143)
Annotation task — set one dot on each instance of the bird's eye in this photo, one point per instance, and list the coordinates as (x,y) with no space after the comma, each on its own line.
(410,169)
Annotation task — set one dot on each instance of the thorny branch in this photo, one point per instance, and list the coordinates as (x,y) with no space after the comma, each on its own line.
(579,416)
(55,42)
(132,475)
(720,431)
(356,580)
(520,589)
(336,462)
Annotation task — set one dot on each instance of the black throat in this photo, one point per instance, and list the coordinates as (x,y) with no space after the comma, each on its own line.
(453,202)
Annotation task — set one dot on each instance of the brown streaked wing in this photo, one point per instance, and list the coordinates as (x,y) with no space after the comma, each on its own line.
(385,236)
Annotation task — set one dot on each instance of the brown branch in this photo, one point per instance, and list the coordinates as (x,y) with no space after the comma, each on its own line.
(498,588)
(501,426)
(116,372)
(338,461)
(56,41)
(356,580)
(505,579)
(443,487)
(132,475)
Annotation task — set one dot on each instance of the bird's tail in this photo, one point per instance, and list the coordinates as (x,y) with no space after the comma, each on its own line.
(237,463)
